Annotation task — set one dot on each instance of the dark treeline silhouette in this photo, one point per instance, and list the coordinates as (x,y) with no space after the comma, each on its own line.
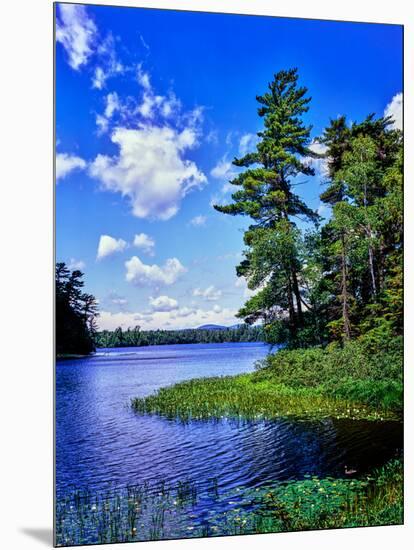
(135,337)
(76,312)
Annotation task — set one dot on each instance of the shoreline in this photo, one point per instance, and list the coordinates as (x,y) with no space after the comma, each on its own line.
(240,397)
(66,356)
(348,382)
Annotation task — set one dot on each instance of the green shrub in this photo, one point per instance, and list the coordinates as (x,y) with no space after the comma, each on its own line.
(354,372)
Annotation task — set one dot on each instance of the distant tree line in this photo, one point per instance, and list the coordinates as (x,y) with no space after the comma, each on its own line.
(76,313)
(136,337)
(76,328)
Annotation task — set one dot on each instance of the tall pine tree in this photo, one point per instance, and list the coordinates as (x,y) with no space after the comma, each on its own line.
(273,262)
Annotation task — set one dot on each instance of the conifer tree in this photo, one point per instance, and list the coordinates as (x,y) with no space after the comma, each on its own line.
(266,194)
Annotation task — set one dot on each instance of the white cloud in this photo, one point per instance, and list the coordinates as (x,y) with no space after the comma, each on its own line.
(153,103)
(143,78)
(241,283)
(320,165)
(76,32)
(76,264)
(102,123)
(223,170)
(145,243)
(108,246)
(115,299)
(229,138)
(99,78)
(324,210)
(185,311)
(153,138)
(119,301)
(66,163)
(109,65)
(210,293)
(150,169)
(212,137)
(318,148)
(112,104)
(184,317)
(141,274)
(143,42)
(395,109)
(247,143)
(163,303)
(198,221)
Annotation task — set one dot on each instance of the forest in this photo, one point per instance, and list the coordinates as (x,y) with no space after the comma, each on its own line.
(135,337)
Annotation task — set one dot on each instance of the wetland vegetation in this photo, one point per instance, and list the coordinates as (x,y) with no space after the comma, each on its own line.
(159,511)
(339,382)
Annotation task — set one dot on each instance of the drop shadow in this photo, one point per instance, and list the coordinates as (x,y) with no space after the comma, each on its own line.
(43,535)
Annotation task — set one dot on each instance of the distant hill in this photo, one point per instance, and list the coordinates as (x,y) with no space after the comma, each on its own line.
(212,327)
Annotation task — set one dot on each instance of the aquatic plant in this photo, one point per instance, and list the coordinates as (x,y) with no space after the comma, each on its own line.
(140,512)
(155,511)
(328,503)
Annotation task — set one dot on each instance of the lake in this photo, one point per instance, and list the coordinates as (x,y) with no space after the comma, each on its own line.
(100,441)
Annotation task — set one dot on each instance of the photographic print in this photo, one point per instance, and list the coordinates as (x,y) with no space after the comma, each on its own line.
(229,274)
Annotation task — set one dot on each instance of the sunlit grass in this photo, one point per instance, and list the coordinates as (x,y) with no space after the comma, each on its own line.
(247,397)
(351,382)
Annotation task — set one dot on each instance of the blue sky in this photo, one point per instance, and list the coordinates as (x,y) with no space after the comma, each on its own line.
(151,107)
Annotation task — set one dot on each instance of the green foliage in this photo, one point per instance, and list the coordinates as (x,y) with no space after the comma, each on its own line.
(76,312)
(134,337)
(365,371)
(362,242)
(328,503)
(345,278)
(245,397)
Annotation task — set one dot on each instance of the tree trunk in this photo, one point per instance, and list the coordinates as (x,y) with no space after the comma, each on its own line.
(292,320)
(296,291)
(370,251)
(344,293)
(371,262)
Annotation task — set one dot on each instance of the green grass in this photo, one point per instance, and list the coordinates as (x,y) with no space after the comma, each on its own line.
(161,511)
(349,382)
(245,397)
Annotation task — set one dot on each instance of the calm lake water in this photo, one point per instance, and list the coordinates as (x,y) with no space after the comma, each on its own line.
(101,441)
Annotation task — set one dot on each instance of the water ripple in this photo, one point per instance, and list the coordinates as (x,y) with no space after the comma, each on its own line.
(99,440)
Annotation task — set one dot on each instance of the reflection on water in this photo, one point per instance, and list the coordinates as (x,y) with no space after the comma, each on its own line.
(100,441)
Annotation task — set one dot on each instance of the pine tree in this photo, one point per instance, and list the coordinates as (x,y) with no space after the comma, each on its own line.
(265,194)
